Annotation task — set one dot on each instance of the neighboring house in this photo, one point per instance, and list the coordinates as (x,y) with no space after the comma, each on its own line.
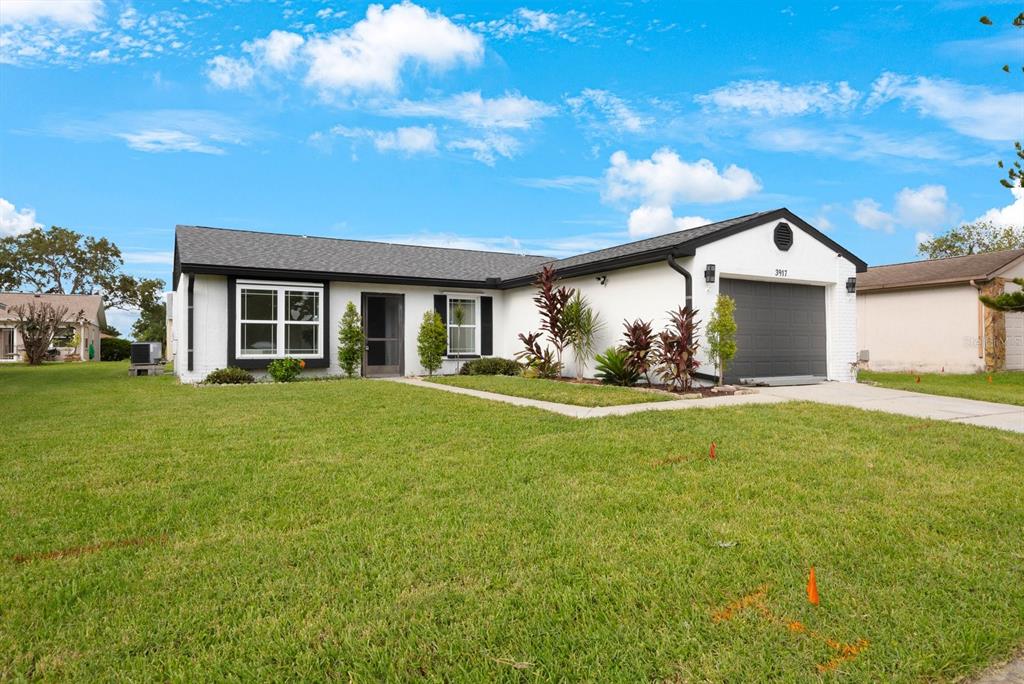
(925,315)
(243,298)
(84,318)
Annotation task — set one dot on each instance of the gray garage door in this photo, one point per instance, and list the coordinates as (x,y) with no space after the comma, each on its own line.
(780,329)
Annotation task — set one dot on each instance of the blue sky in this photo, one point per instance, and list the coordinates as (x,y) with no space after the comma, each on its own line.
(539,127)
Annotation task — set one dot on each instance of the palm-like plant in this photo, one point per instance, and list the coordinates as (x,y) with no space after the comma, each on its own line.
(639,347)
(582,326)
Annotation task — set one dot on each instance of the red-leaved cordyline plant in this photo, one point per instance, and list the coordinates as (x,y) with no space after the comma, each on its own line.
(540,361)
(639,346)
(551,301)
(676,349)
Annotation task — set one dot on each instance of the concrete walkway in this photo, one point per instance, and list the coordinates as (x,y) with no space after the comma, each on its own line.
(1010,673)
(915,404)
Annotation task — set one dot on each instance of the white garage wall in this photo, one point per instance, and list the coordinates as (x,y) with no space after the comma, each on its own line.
(927,329)
(650,291)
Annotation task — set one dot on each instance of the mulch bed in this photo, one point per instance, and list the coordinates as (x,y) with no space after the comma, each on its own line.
(724,391)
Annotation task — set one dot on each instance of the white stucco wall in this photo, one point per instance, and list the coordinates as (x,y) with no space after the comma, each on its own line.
(650,291)
(926,329)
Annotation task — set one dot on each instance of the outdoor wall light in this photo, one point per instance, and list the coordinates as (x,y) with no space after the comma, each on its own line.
(602,279)
(709,273)
(851,285)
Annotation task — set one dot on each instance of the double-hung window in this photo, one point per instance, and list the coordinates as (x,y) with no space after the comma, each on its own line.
(463,327)
(278,320)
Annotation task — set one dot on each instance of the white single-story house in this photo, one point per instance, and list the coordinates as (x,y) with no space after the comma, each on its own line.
(926,316)
(243,298)
(84,319)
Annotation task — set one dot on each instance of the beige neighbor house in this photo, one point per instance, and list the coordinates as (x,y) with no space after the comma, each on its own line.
(84,319)
(925,315)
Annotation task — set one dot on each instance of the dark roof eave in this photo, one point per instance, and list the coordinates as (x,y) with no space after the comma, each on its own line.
(252,272)
(627,261)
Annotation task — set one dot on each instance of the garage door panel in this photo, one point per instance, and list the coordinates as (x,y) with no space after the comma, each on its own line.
(780,329)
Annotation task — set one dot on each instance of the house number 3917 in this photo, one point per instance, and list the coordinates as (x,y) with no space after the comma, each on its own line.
(781,272)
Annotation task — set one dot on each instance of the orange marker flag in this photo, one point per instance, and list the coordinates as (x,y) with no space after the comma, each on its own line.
(918,378)
(711,451)
(812,588)
(990,378)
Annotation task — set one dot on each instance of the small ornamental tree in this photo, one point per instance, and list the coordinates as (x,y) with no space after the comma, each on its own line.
(551,302)
(639,347)
(38,323)
(675,352)
(583,325)
(1008,301)
(350,340)
(721,334)
(432,341)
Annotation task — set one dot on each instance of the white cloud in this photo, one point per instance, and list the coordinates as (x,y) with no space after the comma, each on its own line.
(576,183)
(612,108)
(665,179)
(1010,215)
(524,21)
(371,54)
(230,73)
(166,140)
(488,148)
(925,208)
(771,98)
(279,50)
(974,111)
(921,237)
(15,222)
(76,13)
(868,213)
(409,140)
(511,110)
(647,220)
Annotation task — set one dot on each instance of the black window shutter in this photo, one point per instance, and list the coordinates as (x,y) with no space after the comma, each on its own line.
(486,326)
(441,307)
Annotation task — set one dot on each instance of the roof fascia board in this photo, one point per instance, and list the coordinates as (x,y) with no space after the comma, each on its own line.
(922,285)
(1009,264)
(267,273)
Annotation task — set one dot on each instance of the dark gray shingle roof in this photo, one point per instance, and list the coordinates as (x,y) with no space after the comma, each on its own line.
(937,271)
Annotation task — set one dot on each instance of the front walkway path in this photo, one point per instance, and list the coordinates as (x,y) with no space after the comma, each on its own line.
(983,413)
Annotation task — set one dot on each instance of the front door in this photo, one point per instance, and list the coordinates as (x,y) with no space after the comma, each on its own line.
(382,324)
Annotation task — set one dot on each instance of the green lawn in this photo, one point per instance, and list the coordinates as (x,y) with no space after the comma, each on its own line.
(1006,387)
(554,390)
(369,531)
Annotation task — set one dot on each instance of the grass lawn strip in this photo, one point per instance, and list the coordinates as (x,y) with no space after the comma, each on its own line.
(376,531)
(555,391)
(1006,387)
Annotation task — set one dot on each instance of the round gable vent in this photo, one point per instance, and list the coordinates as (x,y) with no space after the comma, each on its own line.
(783,236)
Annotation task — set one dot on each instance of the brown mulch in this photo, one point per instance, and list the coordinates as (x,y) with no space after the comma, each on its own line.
(724,391)
(76,551)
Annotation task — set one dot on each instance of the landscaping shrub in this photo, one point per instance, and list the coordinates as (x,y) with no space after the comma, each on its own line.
(432,341)
(229,376)
(350,340)
(115,349)
(493,365)
(583,325)
(721,334)
(285,370)
(675,353)
(613,367)
(540,362)
(639,347)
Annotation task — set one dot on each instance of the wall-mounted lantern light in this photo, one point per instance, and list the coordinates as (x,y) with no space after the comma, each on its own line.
(851,285)
(709,273)
(602,279)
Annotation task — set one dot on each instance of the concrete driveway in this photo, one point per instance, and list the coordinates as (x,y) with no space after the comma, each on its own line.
(984,413)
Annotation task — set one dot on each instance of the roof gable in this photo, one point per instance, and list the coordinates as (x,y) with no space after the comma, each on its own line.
(91,306)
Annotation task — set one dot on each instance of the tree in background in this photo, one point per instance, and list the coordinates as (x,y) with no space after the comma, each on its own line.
(350,340)
(720,334)
(38,323)
(583,325)
(432,341)
(61,261)
(152,324)
(972,238)
(1015,172)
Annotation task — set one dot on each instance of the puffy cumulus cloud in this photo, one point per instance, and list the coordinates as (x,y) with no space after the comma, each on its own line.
(869,214)
(601,108)
(647,220)
(922,209)
(665,179)
(1010,215)
(74,13)
(771,98)
(279,50)
(974,111)
(230,73)
(511,110)
(14,221)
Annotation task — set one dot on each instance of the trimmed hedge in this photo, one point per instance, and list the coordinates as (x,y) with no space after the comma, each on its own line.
(229,376)
(115,349)
(491,365)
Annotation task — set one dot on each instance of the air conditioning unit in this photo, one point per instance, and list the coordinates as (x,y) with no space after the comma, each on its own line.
(146,353)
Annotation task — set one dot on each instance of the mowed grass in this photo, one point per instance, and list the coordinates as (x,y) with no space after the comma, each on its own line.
(1006,387)
(554,390)
(370,531)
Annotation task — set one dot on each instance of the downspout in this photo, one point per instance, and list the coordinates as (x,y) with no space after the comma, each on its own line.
(689,279)
(981,323)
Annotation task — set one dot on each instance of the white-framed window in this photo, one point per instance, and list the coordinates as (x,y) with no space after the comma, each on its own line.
(463,325)
(275,320)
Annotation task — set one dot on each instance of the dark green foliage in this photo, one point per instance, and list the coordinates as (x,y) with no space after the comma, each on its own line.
(972,238)
(350,340)
(432,341)
(613,367)
(285,370)
(229,376)
(152,324)
(115,349)
(1008,301)
(491,365)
